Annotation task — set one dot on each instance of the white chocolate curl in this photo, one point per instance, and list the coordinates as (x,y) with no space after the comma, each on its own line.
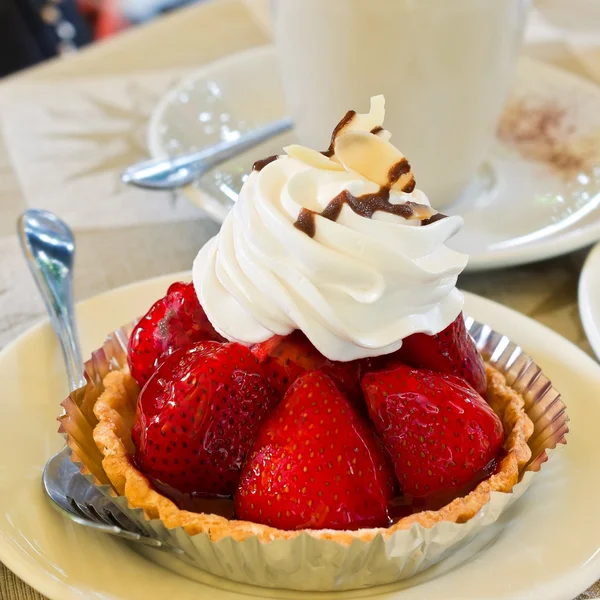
(356,288)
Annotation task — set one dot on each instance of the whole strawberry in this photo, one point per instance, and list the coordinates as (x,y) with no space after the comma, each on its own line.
(285,358)
(175,321)
(440,433)
(198,417)
(316,464)
(451,351)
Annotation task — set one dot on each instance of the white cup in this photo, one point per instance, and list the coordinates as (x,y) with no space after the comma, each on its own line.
(444,66)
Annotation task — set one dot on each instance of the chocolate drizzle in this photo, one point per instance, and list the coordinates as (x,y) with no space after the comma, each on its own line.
(347,118)
(259,165)
(334,208)
(368,204)
(434,218)
(306,222)
(396,171)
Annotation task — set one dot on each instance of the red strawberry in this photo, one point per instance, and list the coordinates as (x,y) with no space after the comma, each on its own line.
(174,321)
(451,351)
(198,417)
(440,433)
(316,464)
(286,357)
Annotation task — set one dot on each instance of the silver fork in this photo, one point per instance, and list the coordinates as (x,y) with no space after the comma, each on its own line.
(49,247)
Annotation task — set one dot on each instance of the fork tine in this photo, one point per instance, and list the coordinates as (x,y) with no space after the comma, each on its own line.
(101,512)
(89,506)
(81,509)
(98,515)
(115,521)
(95,517)
(108,511)
(118,517)
(121,520)
(75,507)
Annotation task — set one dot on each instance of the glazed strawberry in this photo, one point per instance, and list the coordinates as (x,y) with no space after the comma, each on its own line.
(316,464)
(440,433)
(198,417)
(451,351)
(286,357)
(174,321)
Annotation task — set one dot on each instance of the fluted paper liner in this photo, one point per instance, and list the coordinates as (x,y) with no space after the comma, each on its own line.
(306,562)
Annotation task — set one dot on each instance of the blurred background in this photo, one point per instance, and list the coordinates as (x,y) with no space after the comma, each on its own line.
(32,31)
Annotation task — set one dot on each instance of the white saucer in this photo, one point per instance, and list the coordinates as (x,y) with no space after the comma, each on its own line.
(534,198)
(547,545)
(589,298)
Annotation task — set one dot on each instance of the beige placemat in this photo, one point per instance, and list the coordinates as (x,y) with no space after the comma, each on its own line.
(68,143)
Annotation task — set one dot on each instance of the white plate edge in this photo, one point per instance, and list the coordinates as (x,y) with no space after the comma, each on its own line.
(589,273)
(49,587)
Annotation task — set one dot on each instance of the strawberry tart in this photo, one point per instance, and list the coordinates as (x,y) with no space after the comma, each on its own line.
(316,377)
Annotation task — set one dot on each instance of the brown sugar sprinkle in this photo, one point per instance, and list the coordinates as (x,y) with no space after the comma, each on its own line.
(540,131)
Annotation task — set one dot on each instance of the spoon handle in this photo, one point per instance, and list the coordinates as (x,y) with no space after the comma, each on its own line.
(49,247)
(175,172)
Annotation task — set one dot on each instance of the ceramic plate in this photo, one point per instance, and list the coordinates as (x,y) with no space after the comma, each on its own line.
(536,196)
(589,298)
(546,546)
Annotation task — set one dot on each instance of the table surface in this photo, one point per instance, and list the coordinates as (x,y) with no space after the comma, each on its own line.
(144,62)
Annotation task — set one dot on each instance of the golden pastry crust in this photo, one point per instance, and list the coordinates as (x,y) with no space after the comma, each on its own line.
(115,411)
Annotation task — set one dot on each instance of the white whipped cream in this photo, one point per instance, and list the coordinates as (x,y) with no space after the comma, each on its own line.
(360,285)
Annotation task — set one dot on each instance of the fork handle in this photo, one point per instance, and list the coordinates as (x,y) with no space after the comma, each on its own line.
(49,247)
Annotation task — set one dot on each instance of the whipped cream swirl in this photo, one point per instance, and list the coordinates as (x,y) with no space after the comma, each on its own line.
(337,244)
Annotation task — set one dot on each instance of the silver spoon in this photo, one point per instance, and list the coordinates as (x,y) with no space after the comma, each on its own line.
(176,172)
(49,248)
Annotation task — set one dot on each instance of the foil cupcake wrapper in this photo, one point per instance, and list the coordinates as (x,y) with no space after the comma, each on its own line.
(306,563)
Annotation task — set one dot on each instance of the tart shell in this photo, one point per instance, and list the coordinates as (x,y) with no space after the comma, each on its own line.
(97,423)
(115,411)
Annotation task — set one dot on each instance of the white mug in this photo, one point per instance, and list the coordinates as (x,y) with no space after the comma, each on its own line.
(444,66)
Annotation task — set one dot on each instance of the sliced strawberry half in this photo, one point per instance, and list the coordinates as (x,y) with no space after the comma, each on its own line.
(175,321)
(316,464)
(442,436)
(198,417)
